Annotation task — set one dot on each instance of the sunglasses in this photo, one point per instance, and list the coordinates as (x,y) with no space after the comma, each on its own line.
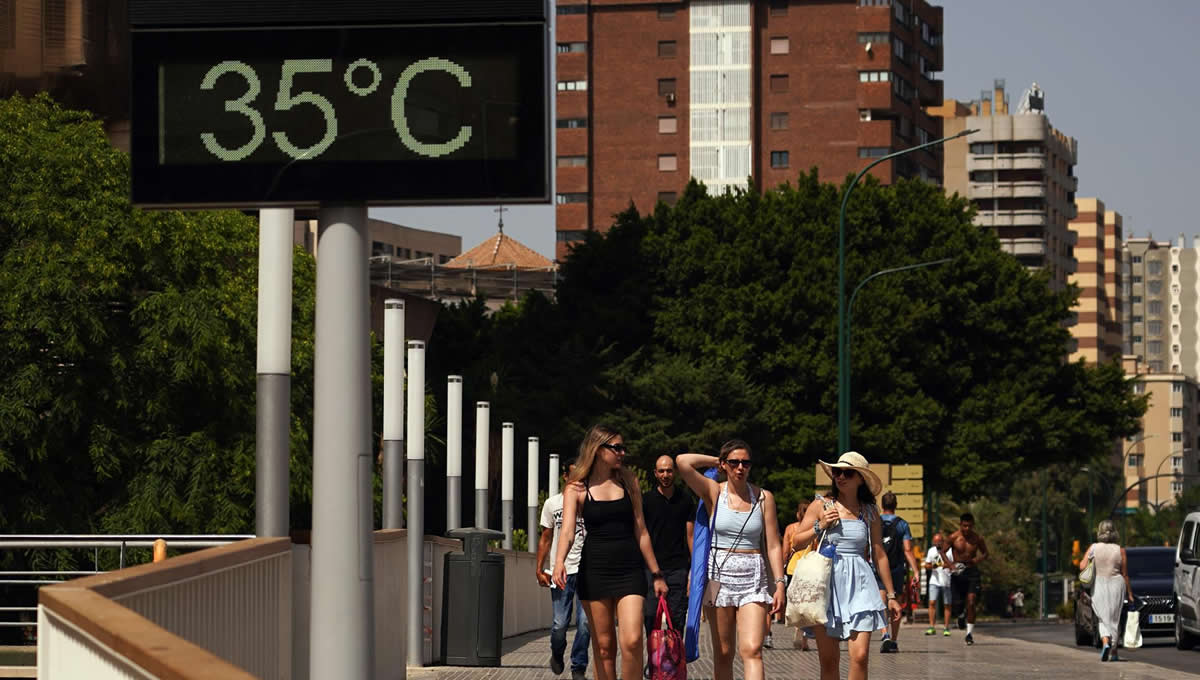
(618,449)
(739,462)
(842,472)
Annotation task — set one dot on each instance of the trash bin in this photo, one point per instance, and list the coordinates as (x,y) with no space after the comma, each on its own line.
(473,601)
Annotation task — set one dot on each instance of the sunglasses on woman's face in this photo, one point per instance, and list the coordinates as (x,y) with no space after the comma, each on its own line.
(842,472)
(738,462)
(618,449)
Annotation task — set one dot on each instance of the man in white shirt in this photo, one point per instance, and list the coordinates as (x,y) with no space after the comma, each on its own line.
(939,584)
(563,599)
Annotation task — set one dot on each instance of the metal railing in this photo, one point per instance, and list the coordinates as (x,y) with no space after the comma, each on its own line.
(94,542)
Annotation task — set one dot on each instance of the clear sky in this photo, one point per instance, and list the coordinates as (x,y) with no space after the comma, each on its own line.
(1118,76)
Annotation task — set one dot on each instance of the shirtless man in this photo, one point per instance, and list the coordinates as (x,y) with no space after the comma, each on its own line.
(969,550)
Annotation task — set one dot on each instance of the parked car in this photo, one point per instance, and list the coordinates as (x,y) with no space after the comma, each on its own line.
(1187,583)
(1152,577)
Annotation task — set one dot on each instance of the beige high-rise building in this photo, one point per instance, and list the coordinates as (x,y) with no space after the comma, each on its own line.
(1165,453)
(1097,331)
(1018,172)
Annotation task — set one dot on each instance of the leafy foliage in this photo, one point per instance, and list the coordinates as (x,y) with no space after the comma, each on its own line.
(128,341)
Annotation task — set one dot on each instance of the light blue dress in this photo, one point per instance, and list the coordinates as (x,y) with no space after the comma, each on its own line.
(854,602)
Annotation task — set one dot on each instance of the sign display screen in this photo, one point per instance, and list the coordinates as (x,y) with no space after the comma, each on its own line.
(307,115)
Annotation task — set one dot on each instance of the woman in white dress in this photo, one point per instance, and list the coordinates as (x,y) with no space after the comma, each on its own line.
(1110,587)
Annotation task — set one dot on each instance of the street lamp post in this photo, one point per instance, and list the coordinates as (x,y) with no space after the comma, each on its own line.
(843,329)
(1158,469)
(850,317)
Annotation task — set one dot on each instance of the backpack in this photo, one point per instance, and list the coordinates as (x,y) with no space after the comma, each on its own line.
(893,543)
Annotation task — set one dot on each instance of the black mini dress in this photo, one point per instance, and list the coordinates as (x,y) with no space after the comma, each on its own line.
(611,565)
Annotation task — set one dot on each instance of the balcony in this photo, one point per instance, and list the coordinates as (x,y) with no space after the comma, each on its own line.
(1008,190)
(1018,161)
(1010,218)
(1024,246)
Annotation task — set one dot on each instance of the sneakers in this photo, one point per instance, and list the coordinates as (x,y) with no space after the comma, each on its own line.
(889,646)
(768,643)
(930,631)
(969,639)
(1104,653)
(945,632)
(577,674)
(962,621)
(556,664)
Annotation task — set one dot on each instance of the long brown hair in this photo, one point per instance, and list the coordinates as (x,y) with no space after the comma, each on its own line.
(597,435)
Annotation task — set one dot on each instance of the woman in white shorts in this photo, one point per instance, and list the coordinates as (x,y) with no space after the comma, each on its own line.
(742,516)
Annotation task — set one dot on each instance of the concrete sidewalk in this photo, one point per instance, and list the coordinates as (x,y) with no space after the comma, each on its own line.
(526,657)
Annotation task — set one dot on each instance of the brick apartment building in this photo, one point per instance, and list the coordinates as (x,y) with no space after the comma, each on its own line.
(650,94)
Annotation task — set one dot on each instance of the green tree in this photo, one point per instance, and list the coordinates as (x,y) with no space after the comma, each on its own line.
(127,339)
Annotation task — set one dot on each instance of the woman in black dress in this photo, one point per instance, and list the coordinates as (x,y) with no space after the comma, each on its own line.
(611,582)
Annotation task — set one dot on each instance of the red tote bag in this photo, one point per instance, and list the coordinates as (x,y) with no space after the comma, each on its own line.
(667,660)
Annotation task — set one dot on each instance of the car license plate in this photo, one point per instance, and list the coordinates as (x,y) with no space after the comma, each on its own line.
(1162,618)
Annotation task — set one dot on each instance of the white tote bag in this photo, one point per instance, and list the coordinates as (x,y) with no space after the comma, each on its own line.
(808,594)
(1133,630)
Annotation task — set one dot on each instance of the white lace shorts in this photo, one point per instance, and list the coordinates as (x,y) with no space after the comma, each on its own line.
(743,578)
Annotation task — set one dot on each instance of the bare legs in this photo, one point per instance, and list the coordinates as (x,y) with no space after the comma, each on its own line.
(605,617)
(859,647)
(745,627)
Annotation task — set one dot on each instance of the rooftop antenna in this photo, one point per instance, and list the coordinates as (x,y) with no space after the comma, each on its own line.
(501,210)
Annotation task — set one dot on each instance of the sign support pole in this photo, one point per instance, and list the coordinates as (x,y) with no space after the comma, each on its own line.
(274,379)
(393,414)
(454,389)
(416,503)
(531,485)
(342,610)
(482,417)
(552,479)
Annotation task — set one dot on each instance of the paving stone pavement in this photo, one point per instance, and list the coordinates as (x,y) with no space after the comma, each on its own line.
(526,657)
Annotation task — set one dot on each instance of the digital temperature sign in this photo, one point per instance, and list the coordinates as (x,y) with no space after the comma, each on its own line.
(303,115)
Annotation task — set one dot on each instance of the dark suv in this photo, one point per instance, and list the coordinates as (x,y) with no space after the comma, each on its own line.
(1152,574)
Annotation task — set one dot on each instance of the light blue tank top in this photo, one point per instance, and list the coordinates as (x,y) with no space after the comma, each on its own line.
(728,522)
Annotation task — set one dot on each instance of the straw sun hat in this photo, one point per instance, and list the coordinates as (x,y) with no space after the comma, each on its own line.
(854,460)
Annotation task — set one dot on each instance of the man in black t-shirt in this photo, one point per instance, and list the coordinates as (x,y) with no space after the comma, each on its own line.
(669,514)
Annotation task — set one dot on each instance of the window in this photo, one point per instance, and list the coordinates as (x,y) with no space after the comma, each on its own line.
(571,85)
(571,123)
(779,45)
(570,236)
(1137,259)
(900,49)
(380,248)
(1176,436)
(902,87)
(779,83)
(873,151)
(873,76)
(1176,412)
(575,197)
(779,159)
(1154,308)
(666,12)
(1154,286)
(572,161)
(568,47)
(779,8)
(667,162)
(779,120)
(668,125)
(901,12)
(1176,463)
(923,136)
(666,48)
(1154,347)
(1176,387)
(1176,487)
(1135,459)
(572,9)
(1187,546)
(666,86)
(1154,328)
(874,38)
(1137,279)
(1138,388)
(667,197)
(1154,267)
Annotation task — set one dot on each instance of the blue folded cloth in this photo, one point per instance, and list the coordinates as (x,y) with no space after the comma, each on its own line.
(698,577)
